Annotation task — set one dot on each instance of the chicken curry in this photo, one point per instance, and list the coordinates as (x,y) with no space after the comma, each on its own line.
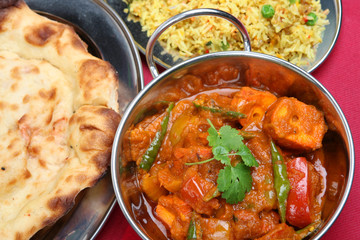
(230,162)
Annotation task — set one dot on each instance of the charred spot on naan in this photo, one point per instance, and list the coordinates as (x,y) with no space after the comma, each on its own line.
(78,43)
(52,32)
(39,35)
(91,75)
(49,95)
(92,132)
(62,203)
(74,41)
(6,7)
(18,236)
(17,72)
(26,99)
(59,205)
(13,163)
(112,115)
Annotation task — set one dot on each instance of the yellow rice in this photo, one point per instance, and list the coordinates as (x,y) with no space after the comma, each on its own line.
(285,35)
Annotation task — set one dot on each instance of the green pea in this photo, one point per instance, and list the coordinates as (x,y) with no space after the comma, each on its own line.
(311,19)
(267,11)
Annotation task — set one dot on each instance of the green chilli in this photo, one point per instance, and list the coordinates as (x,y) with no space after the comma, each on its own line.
(149,157)
(220,111)
(191,234)
(281,181)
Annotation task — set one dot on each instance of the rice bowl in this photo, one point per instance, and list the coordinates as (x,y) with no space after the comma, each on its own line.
(285,35)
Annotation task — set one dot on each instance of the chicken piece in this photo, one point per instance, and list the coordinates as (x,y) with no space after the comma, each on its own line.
(212,228)
(141,136)
(249,224)
(262,195)
(295,125)
(176,215)
(170,181)
(281,231)
(193,191)
(151,185)
(254,103)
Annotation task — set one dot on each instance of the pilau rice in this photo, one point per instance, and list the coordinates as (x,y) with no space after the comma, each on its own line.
(285,35)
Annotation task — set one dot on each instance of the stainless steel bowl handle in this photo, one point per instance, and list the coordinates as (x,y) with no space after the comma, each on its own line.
(189,14)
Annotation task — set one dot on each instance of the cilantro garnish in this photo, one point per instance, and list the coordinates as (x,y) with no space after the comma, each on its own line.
(233,181)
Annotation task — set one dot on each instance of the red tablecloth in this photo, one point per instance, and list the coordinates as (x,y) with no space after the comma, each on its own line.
(340,74)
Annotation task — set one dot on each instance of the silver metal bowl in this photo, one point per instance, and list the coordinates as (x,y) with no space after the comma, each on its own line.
(269,73)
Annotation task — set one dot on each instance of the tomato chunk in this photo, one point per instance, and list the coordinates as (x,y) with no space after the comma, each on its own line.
(194,190)
(298,210)
(176,214)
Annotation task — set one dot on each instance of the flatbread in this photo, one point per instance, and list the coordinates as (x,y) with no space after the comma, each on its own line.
(58,117)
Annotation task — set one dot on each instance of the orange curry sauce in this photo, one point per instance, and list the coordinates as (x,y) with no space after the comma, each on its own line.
(173,194)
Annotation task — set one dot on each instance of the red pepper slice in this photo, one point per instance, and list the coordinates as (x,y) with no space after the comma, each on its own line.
(192,190)
(298,212)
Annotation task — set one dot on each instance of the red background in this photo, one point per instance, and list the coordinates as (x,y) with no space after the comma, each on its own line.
(340,74)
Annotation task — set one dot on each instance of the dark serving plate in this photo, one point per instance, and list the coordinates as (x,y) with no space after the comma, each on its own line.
(166,59)
(107,37)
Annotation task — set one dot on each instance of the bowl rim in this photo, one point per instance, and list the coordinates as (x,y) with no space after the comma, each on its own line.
(350,144)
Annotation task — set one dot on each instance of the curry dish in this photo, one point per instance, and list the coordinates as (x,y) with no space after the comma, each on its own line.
(225,162)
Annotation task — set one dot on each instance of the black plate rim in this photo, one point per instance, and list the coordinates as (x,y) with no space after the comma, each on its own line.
(135,86)
(163,60)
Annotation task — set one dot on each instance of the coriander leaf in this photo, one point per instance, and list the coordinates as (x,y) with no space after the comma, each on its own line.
(224,178)
(230,137)
(226,140)
(234,182)
(213,137)
(221,154)
(247,156)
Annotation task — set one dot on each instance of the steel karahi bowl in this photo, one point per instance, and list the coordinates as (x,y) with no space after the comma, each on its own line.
(270,73)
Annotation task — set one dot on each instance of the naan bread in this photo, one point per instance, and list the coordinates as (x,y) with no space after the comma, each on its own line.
(58,117)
